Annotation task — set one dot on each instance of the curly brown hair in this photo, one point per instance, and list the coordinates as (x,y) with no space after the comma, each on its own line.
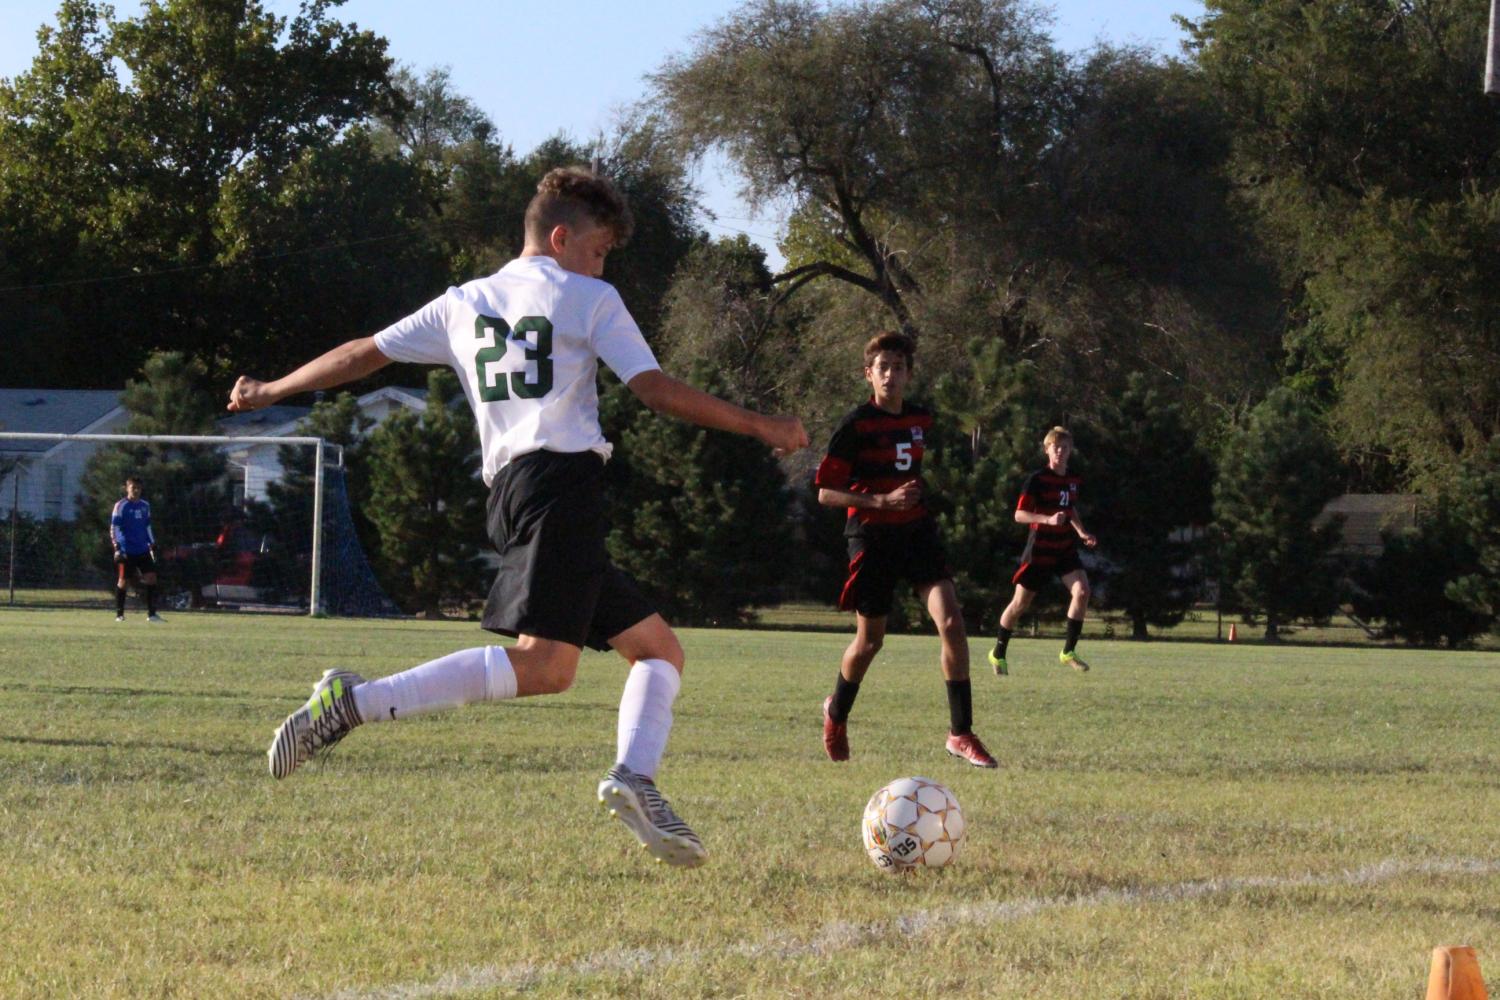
(572,196)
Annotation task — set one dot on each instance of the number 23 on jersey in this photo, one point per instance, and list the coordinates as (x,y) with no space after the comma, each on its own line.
(532,383)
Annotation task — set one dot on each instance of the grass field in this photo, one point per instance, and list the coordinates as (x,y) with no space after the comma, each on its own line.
(1184,821)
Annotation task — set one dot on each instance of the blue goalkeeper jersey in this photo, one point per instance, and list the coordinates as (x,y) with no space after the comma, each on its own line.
(130,527)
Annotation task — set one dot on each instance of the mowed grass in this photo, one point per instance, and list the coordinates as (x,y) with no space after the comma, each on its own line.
(1184,821)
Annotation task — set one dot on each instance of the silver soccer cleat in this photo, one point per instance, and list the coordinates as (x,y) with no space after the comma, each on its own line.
(634,800)
(326,718)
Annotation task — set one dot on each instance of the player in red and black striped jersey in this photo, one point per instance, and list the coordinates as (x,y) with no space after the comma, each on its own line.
(1049,504)
(874,468)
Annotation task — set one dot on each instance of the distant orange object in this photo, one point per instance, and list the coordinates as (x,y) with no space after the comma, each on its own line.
(1455,975)
(1233,635)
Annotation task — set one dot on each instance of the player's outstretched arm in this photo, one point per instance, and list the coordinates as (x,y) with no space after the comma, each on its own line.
(665,394)
(348,362)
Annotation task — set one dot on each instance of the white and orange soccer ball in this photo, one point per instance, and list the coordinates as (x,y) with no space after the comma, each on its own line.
(913,823)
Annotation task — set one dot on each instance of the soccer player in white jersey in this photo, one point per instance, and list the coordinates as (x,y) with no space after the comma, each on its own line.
(525,343)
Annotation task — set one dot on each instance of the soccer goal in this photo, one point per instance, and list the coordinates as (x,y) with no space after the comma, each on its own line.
(240,523)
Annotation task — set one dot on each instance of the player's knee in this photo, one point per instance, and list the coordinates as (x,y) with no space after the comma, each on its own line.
(556,677)
(951,627)
(671,650)
(1081,589)
(866,648)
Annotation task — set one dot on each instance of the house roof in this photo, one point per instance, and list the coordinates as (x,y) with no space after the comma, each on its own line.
(52,411)
(1366,515)
(269,421)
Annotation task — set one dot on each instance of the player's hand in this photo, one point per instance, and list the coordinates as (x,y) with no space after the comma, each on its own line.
(784,434)
(1058,519)
(1089,540)
(903,497)
(249,394)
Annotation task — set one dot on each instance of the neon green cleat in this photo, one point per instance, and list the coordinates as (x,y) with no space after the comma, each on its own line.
(1071,659)
(1002,669)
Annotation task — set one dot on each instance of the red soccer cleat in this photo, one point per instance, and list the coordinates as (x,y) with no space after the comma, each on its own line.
(966,746)
(835,734)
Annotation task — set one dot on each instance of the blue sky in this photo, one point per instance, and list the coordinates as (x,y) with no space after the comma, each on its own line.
(539,69)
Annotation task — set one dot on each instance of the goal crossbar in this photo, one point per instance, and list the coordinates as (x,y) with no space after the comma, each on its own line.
(313,605)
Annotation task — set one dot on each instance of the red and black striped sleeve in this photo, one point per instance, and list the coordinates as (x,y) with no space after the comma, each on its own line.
(836,471)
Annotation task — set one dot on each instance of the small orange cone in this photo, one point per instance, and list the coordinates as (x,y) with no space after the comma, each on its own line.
(1455,975)
(1233,635)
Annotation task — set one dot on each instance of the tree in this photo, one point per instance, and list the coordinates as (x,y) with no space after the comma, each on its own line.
(1410,308)
(985,436)
(942,161)
(1477,499)
(1406,587)
(919,86)
(427,503)
(1151,485)
(700,518)
(117,148)
(1276,474)
(1367,153)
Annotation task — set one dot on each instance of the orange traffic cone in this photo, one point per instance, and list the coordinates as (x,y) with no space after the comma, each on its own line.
(1233,635)
(1455,975)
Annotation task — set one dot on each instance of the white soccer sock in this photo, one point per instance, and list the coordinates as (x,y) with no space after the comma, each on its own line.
(646,715)
(483,673)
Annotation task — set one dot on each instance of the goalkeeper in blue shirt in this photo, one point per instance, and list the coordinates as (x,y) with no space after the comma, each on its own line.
(135,548)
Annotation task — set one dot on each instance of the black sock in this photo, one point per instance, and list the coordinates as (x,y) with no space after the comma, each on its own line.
(1075,629)
(844,693)
(119,600)
(1002,642)
(960,707)
(150,598)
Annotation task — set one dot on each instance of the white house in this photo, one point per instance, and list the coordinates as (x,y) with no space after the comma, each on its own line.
(44,478)
(260,464)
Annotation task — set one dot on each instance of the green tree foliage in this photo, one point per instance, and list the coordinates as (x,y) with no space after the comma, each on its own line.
(1411,310)
(977,184)
(853,145)
(1406,587)
(426,502)
(188,485)
(128,152)
(1477,508)
(1367,151)
(700,518)
(983,444)
(1151,486)
(1276,473)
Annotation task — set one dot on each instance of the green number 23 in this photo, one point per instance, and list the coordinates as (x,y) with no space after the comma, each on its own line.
(539,355)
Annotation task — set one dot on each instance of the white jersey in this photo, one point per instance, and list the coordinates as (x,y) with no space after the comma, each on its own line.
(526,342)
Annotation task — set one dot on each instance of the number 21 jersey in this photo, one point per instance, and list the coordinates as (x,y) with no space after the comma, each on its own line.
(526,342)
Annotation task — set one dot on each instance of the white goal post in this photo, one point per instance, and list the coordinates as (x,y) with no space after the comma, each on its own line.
(1492,52)
(16,461)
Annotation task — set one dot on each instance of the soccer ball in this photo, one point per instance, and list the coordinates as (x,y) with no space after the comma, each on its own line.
(913,823)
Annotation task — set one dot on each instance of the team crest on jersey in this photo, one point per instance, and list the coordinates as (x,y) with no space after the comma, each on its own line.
(916,435)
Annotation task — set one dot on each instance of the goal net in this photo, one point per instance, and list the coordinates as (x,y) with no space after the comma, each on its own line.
(240,523)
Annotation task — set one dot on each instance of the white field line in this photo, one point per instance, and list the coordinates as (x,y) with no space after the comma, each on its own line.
(840,936)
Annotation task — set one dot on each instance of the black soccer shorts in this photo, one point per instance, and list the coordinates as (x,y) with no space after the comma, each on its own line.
(882,556)
(136,565)
(1034,575)
(546,521)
